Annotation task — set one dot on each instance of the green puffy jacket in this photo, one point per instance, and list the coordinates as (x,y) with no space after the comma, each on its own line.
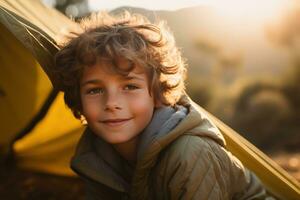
(182,155)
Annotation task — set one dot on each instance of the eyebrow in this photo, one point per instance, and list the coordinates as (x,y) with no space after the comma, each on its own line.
(97,81)
(133,77)
(92,81)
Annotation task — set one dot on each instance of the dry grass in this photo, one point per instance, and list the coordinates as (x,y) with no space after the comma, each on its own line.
(290,161)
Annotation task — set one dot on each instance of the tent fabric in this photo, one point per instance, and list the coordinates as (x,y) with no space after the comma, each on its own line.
(50,145)
(21,78)
(36,26)
(27,50)
(28,35)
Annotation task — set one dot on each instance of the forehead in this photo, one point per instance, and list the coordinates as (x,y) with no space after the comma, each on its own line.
(116,68)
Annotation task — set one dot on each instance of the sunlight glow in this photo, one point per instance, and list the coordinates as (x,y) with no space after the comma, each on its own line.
(253,10)
(152,5)
(256,10)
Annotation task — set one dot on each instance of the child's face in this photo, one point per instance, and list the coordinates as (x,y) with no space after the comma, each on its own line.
(117,108)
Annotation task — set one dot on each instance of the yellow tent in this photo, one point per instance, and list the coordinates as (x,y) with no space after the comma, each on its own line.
(36,124)
(28,104)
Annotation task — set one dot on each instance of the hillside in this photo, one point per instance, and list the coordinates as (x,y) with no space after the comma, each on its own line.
(240,38)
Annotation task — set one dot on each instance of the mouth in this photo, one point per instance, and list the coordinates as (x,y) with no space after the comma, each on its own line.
(115,122)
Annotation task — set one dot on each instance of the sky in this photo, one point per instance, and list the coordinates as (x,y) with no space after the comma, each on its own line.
(153,4)
(254,9)
(177,4)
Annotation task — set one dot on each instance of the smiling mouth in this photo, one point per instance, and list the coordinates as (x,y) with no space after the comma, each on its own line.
(115,122)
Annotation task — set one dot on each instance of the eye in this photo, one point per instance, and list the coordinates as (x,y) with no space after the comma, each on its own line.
(94,91)
(131,87)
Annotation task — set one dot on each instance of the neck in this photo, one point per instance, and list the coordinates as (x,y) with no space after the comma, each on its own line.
(128,150)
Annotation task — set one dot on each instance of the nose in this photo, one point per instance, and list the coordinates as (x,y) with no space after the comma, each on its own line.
(113,101)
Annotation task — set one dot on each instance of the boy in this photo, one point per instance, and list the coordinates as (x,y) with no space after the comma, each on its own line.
(144,138)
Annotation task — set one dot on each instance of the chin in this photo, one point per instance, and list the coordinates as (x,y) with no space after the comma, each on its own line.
(120,140)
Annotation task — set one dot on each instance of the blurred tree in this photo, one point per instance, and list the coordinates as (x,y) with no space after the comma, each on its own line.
(261,114)
(227,63)
(225,70)
(200,91)
(286,33)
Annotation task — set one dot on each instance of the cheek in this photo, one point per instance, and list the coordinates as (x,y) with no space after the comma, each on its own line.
(142,105)
(90,110)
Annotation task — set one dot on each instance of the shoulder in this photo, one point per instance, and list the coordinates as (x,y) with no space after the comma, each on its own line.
(200,168)
(190,148)
(202,153)
(194,164)
(195,154)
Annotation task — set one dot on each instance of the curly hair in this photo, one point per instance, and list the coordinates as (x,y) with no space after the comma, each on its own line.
(128,36)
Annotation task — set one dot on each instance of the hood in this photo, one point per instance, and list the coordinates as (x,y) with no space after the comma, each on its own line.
(169,123)
(196,123)
(97,160)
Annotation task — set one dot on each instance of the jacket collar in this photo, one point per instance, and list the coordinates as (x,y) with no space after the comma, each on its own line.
(97,160)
